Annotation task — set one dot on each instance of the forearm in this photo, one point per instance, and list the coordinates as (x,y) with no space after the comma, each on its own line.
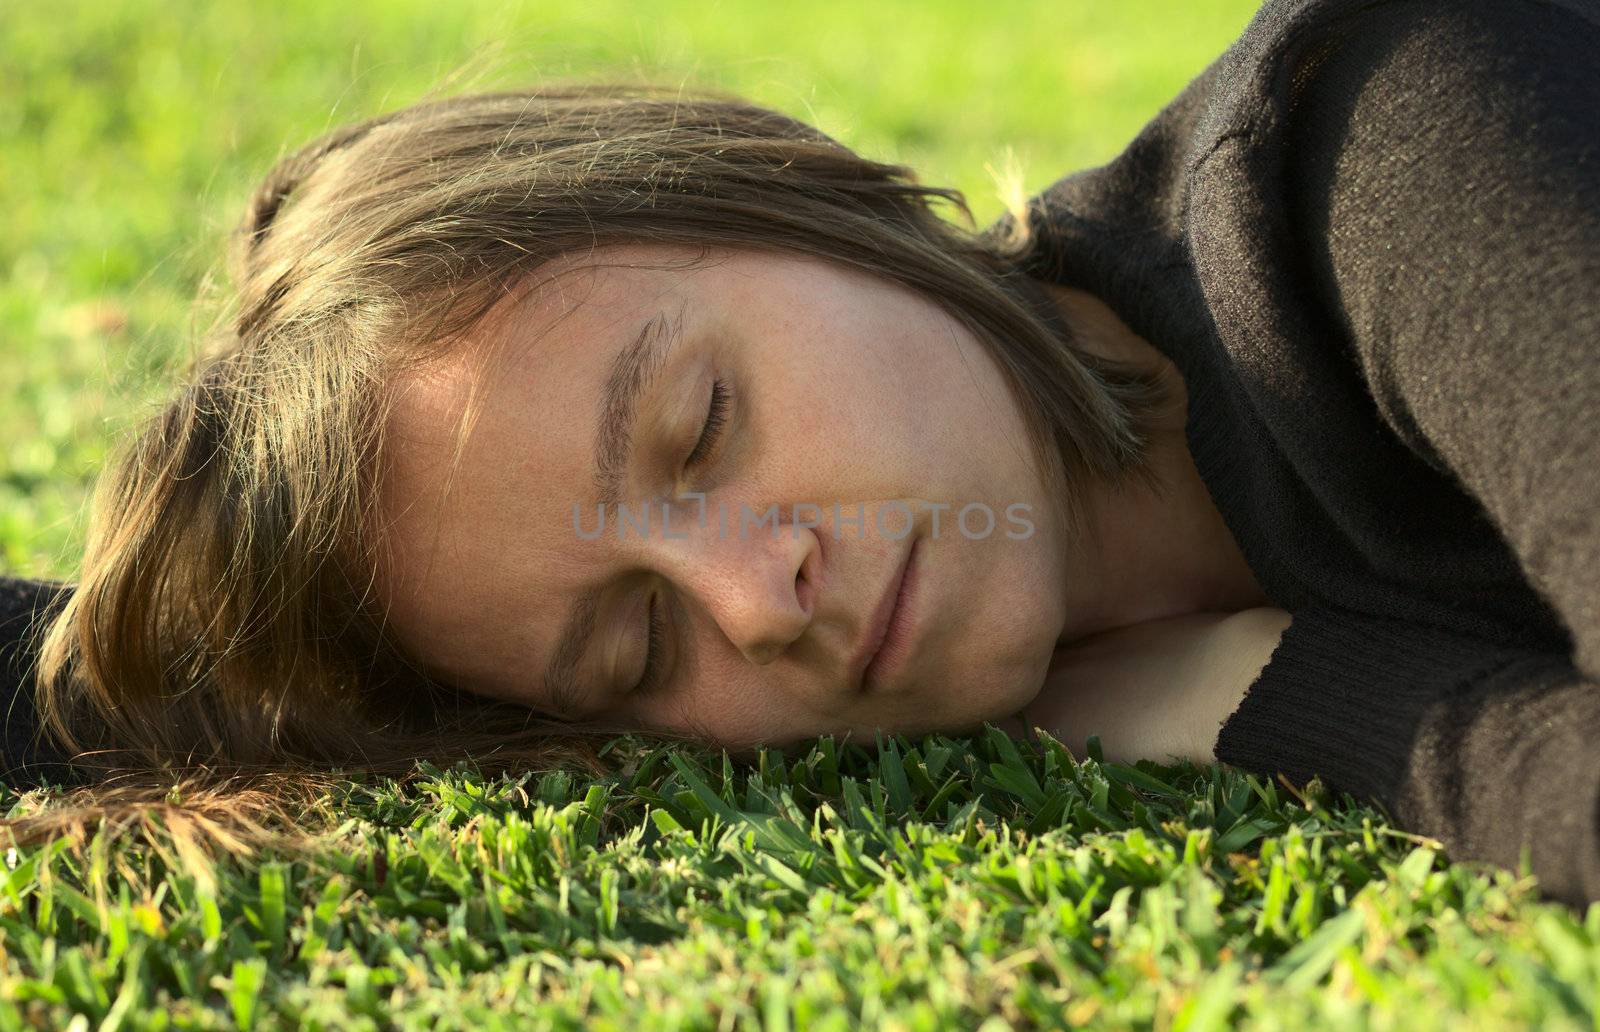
(1158,689)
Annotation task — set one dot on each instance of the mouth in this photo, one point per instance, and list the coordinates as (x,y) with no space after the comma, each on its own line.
(890,636)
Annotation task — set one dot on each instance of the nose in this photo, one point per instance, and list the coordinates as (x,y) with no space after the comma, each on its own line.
(756,572)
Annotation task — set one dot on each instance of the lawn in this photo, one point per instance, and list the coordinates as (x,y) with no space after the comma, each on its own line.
(912,884)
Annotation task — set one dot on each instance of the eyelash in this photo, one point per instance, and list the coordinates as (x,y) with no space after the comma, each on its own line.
(655,641)
(716,417)
(655,638)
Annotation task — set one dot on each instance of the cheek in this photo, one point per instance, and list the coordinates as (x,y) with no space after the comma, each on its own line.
(728,704)
(999,610)
(856,431)
(1007,649)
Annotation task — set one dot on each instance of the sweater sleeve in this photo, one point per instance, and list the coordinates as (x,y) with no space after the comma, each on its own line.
(1446,178)
(1451,181)
(1490,750)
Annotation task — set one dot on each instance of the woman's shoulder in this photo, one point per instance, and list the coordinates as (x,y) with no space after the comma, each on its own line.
(1319,91)
(1294,19)
(1288,42)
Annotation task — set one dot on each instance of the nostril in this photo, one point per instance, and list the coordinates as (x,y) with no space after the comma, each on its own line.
(805,579)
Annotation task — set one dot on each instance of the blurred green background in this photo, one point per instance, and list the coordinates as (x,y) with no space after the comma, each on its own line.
(130,134)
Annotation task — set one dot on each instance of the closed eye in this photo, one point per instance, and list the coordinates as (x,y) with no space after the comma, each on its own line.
(710,433)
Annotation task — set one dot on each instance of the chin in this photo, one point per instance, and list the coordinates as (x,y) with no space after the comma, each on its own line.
(1020,690)
(992,702)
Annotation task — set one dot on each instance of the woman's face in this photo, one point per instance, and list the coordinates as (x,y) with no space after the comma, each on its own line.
(765,456)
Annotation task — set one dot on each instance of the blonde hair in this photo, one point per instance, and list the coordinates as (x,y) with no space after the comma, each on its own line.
(224,619)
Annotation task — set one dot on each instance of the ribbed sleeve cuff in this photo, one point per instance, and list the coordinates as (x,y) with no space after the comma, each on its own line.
(1488,748)
(1342,697)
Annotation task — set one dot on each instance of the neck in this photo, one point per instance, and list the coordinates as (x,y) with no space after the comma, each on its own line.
(1159,551)
(1165,552)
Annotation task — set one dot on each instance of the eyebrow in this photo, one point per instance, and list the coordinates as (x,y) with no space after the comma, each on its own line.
(633,371)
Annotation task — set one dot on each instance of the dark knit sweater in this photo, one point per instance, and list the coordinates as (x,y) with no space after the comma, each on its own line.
(25,606)
(1368,235)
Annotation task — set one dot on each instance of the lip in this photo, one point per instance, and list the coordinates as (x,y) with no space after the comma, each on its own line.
(888,639)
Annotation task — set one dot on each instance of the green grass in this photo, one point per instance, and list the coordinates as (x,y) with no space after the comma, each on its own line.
(944,883)
(908,884)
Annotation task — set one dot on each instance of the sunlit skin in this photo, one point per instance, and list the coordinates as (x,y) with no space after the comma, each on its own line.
(839,387)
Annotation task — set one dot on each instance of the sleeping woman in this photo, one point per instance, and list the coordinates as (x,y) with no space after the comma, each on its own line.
(541,416)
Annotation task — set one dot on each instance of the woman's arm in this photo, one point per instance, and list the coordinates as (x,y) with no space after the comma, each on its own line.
(1447,160)
(1450,173)
(1155,690)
